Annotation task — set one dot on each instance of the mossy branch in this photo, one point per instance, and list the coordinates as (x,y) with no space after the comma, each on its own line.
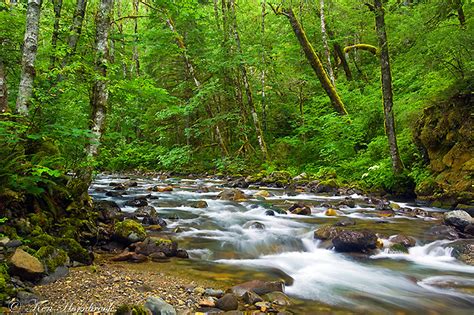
(372,49)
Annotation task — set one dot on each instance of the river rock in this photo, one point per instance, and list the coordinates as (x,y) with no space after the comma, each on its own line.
(355,241)
(469,230)
(405,241)
(13,244)
(441,232)
(331,212)
(4,241)
(25,266)
(207,302)
(258,286)
(182,253)
(254,225)
(270,213)
(159,257)
(327,232)
(277,298)
(300,208)
(199,204)
(129,231)
(153,220)
(263,194)
(463,250)
(157,244)
(345,222)
(161,188)
(458,218)
(137,202)
(228,302)
(251,298)
(144,211)
(108,210)
(232,194)
(115,194)
(158,306)
(214,293)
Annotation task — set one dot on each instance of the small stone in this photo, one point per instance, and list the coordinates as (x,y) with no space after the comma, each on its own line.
(214,293)
(207,302)
(4,241)
(331,212)
(182,253)
(13,244)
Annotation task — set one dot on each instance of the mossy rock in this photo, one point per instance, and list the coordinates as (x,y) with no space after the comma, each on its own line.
(38,238)
(52,257)
(126,309)
(75,251)
(129,231)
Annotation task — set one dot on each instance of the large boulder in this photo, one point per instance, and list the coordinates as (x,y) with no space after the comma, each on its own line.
(355,241)
(458,218)
(158,306)
(463,250)
(441,232)
(258,286)
(26,266)
(155,245)
(403,240)
(327,232)
(232,194)
(129,231)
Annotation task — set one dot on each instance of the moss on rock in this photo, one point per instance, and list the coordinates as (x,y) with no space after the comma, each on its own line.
(52,257)
(129,231)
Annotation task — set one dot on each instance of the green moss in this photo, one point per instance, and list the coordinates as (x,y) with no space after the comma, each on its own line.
(125,228)
(75,251)
(161,241)
(38,238)
(126,309)
(5,290)
(398,248)
(52,258)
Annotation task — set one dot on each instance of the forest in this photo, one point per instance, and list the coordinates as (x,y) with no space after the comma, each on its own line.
(347,98)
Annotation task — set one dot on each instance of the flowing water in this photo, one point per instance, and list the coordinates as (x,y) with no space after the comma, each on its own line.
(224,245)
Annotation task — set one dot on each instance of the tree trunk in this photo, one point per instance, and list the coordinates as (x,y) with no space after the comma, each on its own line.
(30,47)
(99,90)
(3,89)
(57,6)
(327,53)
(264,65)
(315,62)
(192,73)
(342,57)
(248,90)
(76,29)
(387,87)
(460,11)
(135,55)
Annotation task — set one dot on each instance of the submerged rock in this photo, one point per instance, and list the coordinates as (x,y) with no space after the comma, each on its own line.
(258,286)
(463,250)
(254,225)
(441,232)
(199,204)
(251,298)
(277,298)
(355,241)
(137,202)
(345,222)
(403,240)
(327,232)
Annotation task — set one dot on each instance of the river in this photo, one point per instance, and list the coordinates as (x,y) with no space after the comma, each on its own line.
(224,244)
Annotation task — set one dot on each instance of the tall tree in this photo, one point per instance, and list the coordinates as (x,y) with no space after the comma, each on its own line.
(327,52)
(313,59)
(76,30)
(3,89)
(387,92)
(135,55)
(100,93)
(248,89)
(30,47)
(264,65)
(57,7)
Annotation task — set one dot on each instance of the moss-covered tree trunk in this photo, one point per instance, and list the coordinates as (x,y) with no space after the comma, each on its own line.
(3,89)
(30,47)
(100,93)
(135,56)
(314,61)
(345,66)
(327,53)
(387,92)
